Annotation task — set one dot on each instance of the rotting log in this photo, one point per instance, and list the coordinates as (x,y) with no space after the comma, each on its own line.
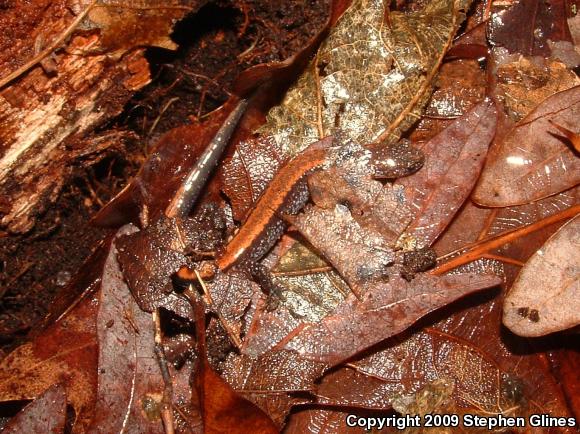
(48,111)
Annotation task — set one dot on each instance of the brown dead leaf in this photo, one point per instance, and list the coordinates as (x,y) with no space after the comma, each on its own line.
(544,297)
(453,161)
(148,259)
(460,85)
(527,25)
(305,295)
(129,376)
(321,421)
(225,411)
(66,353)
(231,293)
(483,383)
(529,383)
(385,310)
(532,162)
(125,25)
(46,414)
(247,173)
(222,409)
(526,82)
(275,381)
(361,256)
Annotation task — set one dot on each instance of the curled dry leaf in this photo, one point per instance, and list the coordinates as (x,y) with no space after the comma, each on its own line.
(45,414)
(533,161)
(385,310)
(454,159)
(544,297)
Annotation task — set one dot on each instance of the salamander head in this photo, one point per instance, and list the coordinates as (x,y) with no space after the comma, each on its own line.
(396,161)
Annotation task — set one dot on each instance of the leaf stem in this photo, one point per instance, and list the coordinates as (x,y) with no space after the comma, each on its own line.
(480,248)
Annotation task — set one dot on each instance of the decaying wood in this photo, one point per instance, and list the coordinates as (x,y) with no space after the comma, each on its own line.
(47,111)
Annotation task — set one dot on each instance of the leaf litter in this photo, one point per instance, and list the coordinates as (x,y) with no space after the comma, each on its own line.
(348,315)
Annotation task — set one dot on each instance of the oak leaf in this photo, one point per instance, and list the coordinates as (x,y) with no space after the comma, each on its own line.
(533,161)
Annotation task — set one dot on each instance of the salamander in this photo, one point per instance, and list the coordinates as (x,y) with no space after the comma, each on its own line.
(287,194)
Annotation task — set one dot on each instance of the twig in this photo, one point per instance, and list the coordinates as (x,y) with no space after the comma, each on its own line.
(232,335)
(167,402)
(49,49)
(478,249)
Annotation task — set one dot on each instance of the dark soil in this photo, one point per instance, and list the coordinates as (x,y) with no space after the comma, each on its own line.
(216,44)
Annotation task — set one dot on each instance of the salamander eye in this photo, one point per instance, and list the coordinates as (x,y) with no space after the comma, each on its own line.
(396,161)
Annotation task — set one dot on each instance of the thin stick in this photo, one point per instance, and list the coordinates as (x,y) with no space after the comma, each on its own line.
(167,410)
(53,46)
(478,249)
(231,334)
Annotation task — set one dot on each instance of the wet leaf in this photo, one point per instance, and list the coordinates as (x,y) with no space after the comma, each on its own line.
(66,353)
(305,296)
(361,256)
(527,26)
(460,85)
(321,421)
(148,259)
(453,161)
(385,310)
(45,414)
(526,82)
(533,162)
(275,381)
(129,375)
(368,79)
(527,378)
(226,411)
(485,382)
(544,297)
(247,173)
(222,409)
(231,295)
